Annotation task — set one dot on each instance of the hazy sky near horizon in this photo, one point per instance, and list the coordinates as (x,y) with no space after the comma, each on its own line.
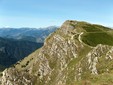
(43,13)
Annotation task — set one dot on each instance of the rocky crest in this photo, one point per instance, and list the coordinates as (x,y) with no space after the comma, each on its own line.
(64,60)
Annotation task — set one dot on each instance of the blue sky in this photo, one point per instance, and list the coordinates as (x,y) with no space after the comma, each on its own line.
(43,13)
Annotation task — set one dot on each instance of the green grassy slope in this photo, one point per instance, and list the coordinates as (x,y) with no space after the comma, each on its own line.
(95,34)
(94,39)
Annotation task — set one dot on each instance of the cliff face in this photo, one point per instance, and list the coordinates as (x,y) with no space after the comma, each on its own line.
(67,58)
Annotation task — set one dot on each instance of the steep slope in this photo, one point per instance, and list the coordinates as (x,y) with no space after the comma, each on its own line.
(28,34)
(1,68)
(68,57)
(12,51)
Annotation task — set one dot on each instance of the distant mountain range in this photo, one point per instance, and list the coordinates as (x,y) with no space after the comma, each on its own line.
(28,34)
(15,44)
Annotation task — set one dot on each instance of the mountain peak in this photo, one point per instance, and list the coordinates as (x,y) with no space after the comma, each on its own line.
(68,23)
(72,25)
(68,26)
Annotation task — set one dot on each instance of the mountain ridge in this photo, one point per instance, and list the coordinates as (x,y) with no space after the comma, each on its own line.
(65,60)
(29,34)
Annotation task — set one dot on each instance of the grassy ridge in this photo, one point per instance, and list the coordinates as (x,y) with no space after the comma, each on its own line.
(91,28)
(93,39)
(95,35)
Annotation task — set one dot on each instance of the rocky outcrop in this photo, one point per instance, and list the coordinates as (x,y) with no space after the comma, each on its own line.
(63,60)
